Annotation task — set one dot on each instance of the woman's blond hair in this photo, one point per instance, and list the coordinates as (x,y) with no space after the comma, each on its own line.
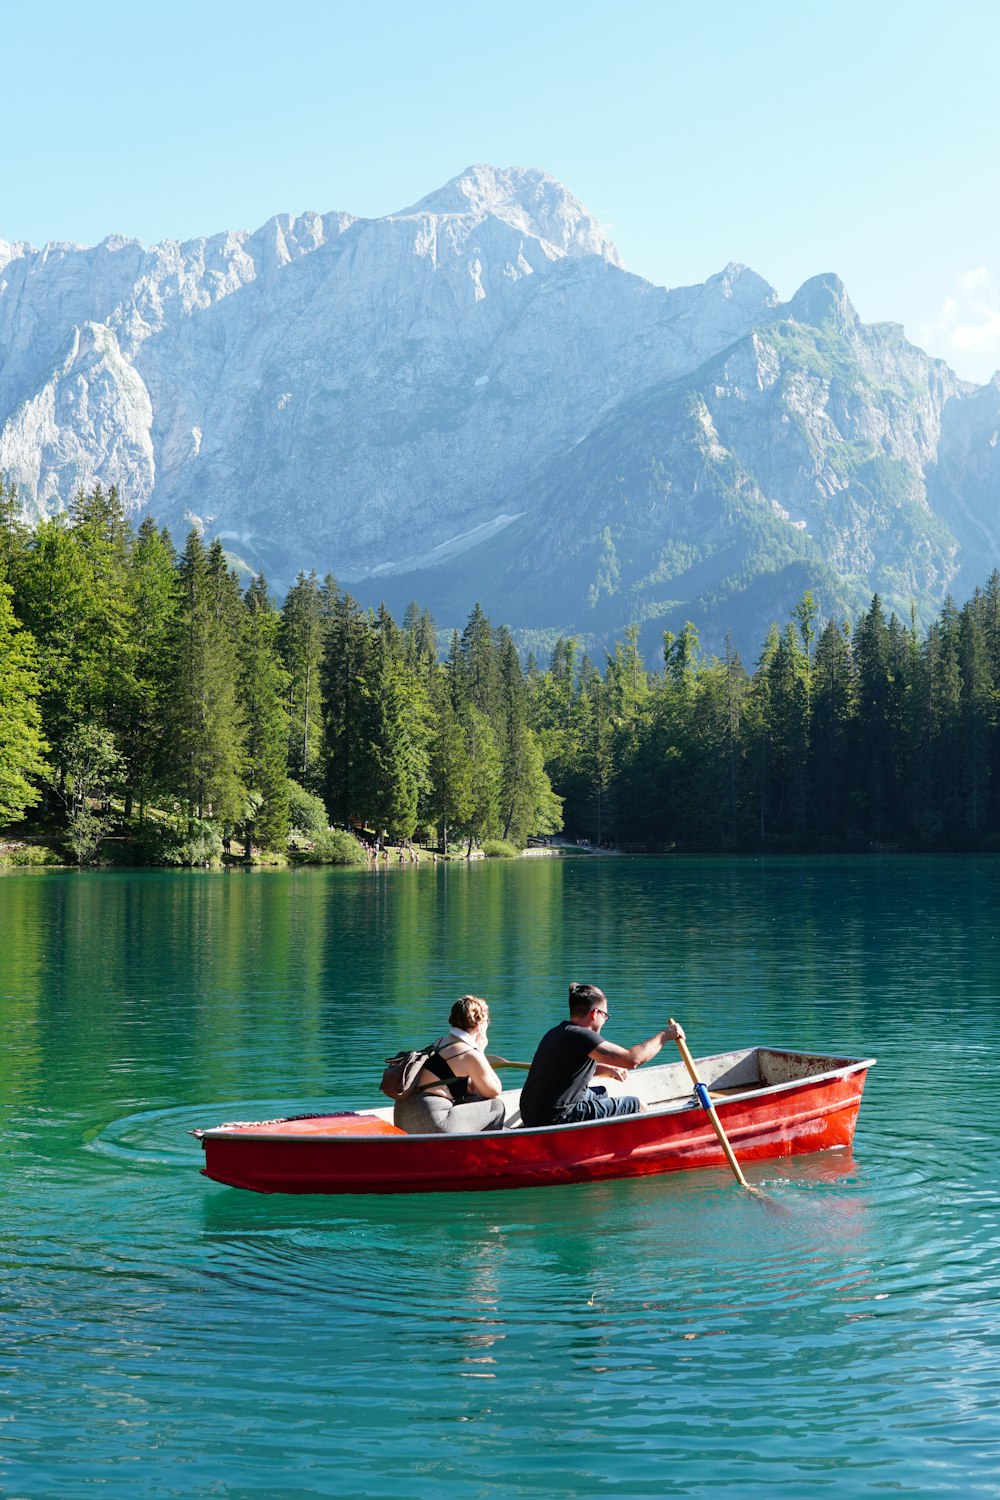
(469,1013)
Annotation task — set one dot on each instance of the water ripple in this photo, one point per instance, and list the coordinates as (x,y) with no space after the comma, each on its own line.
(166,1336)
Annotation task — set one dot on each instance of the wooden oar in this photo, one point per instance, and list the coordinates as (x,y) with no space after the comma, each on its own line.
(505,1062)
(705,1101)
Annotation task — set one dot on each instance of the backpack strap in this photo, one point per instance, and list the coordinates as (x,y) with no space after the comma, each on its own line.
(455,1085)
(436,1063)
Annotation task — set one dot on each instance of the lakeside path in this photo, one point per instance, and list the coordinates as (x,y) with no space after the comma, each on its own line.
(566,846)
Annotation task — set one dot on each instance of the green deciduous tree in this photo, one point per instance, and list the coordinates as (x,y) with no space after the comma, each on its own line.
(22,744)
(94,771)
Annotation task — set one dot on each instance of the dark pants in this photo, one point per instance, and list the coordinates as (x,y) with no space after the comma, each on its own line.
(594,1106)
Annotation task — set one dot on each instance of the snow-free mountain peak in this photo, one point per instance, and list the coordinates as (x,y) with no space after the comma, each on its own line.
(823,299)
(472,399)
(526,198)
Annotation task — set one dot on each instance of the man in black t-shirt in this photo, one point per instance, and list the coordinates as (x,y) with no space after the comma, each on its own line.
(557,1089)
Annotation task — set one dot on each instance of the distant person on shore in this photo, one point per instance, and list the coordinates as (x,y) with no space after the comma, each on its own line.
(458,1092)
(557,1090)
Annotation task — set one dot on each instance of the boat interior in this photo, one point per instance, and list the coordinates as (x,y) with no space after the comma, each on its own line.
(668,1087)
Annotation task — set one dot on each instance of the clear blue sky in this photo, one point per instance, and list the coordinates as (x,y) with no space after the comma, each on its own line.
(861,138)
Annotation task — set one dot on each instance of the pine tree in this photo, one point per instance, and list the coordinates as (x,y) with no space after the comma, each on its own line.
(757,724)
(394,727)
(345,671)
(301,642)
(449,797)
(944,749)
(989,614)
(786,724)
(15,535)
(626,686)
(880,656)
(555,718)
(833,719)
(206,735)
(597,750)
(977,716)
(456,673)
(483,821)
(152,607)
(511,732)
(263,694)
(478,679)
(419,642)
(714,791)
(104,537)
(426,641)
(55,603)
(527,802)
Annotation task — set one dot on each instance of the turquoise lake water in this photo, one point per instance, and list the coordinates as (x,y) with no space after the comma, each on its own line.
(163,1336)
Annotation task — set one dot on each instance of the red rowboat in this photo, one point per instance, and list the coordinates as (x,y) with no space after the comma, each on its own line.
(771,1103)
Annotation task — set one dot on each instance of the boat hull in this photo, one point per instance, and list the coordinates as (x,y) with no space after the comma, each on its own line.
(356,1153)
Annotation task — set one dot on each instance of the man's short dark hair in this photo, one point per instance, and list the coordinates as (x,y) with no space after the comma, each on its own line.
(583,998)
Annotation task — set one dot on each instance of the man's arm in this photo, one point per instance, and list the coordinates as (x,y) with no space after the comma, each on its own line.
(610,1055)
(605,1070)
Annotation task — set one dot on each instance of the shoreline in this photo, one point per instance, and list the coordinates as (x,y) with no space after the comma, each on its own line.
(562,850)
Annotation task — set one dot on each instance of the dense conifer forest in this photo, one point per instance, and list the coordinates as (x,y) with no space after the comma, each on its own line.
(146,694)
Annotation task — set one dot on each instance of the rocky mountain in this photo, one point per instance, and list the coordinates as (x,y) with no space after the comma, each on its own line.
(472,399)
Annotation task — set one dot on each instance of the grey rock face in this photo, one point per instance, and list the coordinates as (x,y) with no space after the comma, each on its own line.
(471,398)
